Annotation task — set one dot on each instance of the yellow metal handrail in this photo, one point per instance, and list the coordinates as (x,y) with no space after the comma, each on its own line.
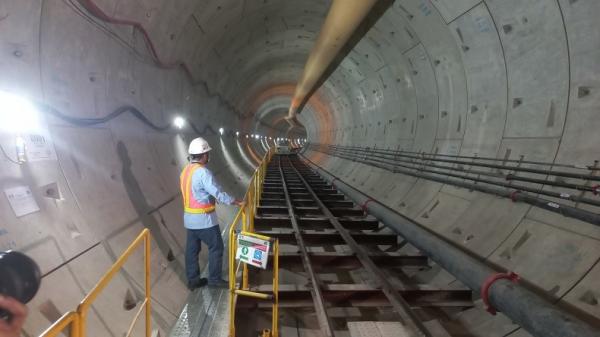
(77,320)
(246,216)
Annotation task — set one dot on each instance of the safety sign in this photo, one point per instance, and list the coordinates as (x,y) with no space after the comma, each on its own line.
(39,146)
(21,200)
(252,251)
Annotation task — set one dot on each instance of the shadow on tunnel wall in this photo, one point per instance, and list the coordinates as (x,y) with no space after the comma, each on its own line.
(144,210)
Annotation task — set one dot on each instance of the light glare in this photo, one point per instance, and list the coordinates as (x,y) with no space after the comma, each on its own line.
(179,122)
(17,115)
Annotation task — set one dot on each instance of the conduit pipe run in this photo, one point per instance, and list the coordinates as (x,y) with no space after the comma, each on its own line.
(531,311)
(507,190)
(342,20)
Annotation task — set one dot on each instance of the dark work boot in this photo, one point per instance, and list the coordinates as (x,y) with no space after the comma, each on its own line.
(195,285)
(219,284)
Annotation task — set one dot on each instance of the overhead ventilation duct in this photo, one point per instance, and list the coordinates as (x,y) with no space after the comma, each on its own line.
(342,21)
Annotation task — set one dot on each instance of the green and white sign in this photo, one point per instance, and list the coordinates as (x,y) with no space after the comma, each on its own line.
(252,251)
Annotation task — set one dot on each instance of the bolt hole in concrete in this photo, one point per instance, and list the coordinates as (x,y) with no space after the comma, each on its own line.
(583,91)
(517,102)
(589,298)
(129,302)
(51,191)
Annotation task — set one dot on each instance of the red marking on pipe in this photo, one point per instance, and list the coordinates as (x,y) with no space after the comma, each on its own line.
(364,204)
(295,103)
(513,195)
(596,189)
(485,287)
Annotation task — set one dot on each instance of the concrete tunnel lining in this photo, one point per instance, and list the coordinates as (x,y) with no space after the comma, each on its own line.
(501,79)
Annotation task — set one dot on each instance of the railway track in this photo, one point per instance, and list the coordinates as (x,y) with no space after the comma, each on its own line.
(335,257)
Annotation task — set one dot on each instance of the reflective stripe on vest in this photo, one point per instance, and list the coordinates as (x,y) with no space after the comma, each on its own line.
(190,204)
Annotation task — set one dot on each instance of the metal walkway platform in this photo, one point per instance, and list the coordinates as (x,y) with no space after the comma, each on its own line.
(206,311)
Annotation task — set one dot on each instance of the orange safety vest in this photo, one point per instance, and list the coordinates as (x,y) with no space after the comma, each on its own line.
(190,204)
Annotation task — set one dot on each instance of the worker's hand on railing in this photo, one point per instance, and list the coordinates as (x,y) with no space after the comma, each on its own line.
(11,327)
(239,203)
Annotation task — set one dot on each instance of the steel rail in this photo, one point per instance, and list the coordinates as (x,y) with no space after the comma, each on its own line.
(317,295)
(402,308)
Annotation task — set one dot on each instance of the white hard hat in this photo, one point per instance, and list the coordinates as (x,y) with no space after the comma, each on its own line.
(199,146)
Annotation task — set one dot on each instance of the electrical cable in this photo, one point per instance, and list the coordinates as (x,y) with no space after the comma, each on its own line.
(433,156)
(458,180)
(91,7)
(109,32)
(87,122)
(94,121)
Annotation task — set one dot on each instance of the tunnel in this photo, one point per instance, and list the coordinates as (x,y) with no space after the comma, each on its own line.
(474,122)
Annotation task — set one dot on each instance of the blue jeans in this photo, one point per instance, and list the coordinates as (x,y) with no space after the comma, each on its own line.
(212,238)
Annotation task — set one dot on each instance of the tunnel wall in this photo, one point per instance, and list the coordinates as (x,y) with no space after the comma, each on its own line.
(100,186)
(504,79)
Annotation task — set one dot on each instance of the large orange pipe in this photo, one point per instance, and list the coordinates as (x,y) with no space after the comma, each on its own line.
(342,20)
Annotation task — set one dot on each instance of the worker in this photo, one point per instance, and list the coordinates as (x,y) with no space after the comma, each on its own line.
(11,327)
(200,192)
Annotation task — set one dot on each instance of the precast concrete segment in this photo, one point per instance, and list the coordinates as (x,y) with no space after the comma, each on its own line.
(534,313)
(323,318)
(402,308)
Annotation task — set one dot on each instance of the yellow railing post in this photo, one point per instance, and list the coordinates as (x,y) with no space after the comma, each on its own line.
(245,267)
(247,214)
(78,319)
(69,319)
(75,326)
(147,247)
(250,219)
(232,248)
(275,319)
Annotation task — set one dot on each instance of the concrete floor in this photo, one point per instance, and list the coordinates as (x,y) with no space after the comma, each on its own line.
(497,78)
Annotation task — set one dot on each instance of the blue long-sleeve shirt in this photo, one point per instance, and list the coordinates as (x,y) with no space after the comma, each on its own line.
(203,183)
